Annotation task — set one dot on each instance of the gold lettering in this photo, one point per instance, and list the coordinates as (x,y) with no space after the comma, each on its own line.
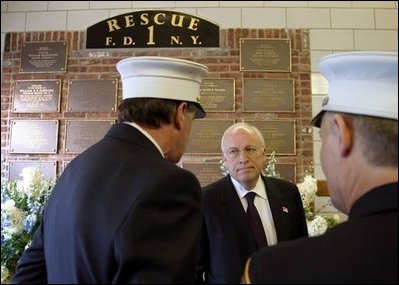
(157,20)
(129,21)
(112,25)
(180,23)
(128,41)
(195,39)
(151,36)
(174,40)
(144,19)
(193,24)
(108,41)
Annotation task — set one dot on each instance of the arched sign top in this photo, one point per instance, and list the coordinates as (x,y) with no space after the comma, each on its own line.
(153,28)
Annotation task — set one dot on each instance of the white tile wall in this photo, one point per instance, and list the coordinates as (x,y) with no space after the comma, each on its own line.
(308,18)
(352,18)
(386,19)
(331,39)
(376,40)
(68,5)
(46,21)
(110,4)
(273,18)
(25,6)
(81,20)
(225,17)
(241,4)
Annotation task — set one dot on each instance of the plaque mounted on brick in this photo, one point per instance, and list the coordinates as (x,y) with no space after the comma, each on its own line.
(273,55)
(206,135)
(34,136)
(82,134)
(279,135)
(206,173)
(36,96)
(43,57)
(268,95)
(217,94)
(287,171)
(47,168)
(92,95)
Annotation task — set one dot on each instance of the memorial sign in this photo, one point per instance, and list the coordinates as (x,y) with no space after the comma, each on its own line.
(82,134)
(43,57)
(36,96)
(34,136)
(206,173)
(279,135)
(268,95)
(217,95)
(92,95)
(287,171)
(272,55)
(206,135)
(47,169)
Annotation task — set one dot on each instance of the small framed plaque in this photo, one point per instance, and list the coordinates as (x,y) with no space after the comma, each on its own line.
(272,55)
(269,95)
(206,173)
(43,57)
(206,135)
(34,136)
(217,95)
(92,95)
(47,168)
(287,171)
(36,96)
(82,134)
(279,135)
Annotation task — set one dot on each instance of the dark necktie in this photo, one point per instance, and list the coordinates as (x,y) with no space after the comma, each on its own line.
(255,221)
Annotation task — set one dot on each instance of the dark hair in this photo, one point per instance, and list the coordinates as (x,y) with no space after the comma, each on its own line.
(150,111)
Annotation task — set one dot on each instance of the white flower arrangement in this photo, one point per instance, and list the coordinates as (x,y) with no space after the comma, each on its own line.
(22,204)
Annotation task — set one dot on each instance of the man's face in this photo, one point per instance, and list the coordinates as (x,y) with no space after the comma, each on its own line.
(244,156)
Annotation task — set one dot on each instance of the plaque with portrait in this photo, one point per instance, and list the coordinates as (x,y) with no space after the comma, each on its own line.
(81,134)
(273,55)
(92,95)
(36,96)
(206,173)
(43,57)
(34,136)
(279,135)
(268,95)
(47,168)
(217,94)
(206,135)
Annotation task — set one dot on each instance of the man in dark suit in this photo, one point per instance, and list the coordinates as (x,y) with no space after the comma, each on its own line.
(228,239)
(359,156)
(123,211)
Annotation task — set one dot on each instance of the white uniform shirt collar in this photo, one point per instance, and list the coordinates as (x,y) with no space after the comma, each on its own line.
(147,135)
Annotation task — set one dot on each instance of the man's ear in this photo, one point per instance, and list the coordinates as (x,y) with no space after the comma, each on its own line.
(344,131)
(180,115)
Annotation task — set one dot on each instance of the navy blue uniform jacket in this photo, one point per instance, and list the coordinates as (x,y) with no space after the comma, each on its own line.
(227,240)
(362,250)
(120,213)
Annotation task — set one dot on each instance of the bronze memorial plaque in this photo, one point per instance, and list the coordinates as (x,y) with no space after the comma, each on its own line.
(43,57)
(279,135)
(217,95)
(268,95)
(265,55)
(206,173)
(36,96)
(82,134)
(206,135)
(34,136)
(47,169)
(287,171)
(92,95)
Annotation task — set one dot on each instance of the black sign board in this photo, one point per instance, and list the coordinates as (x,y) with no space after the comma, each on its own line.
(265,55)
(36,96)
(153,28)
(47,169)
(34,136)
(92,95)
(82,134)
(43,57)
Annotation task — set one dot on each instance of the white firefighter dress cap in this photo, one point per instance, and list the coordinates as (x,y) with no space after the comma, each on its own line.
(162,77)
(364,83)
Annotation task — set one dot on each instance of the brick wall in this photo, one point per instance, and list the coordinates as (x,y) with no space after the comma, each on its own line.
(223,62)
